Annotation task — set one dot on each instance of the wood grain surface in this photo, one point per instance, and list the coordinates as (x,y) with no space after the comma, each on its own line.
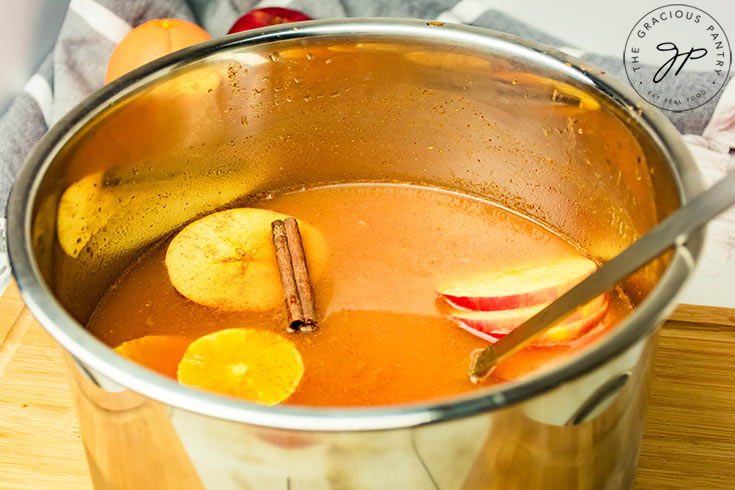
(40,447)
(689,440)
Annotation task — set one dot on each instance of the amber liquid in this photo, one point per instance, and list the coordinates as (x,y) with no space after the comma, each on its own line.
(381,338)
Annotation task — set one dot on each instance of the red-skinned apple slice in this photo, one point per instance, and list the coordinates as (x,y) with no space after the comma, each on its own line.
(574,330)
(491,337)
(496,324)
(565,332)
(519,288)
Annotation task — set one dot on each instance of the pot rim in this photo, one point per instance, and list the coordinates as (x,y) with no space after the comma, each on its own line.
(89,351)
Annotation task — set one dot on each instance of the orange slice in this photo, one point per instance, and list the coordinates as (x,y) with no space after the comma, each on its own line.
(256,365)
(160,353)
(227,260)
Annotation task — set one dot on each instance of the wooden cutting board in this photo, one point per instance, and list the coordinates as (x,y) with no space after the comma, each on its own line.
(689,440)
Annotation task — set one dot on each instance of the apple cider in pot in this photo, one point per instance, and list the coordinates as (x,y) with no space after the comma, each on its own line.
(408,281)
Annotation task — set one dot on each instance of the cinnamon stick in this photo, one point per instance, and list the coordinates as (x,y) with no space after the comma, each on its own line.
(286,271)
(301,273)
(297,292)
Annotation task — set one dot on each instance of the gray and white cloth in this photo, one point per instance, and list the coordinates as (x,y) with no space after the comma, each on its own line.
(76,66)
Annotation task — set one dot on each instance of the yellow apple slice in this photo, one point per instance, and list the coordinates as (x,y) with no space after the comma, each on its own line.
(84,208)
(227,260)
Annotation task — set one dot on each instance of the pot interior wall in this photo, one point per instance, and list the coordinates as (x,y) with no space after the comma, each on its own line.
(256,119)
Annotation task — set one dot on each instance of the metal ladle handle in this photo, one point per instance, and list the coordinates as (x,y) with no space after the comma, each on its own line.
(674,230)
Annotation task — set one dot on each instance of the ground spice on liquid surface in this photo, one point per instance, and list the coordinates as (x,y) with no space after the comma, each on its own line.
(381,338)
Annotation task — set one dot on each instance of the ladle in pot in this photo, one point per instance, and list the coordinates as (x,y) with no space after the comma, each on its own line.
(674,230)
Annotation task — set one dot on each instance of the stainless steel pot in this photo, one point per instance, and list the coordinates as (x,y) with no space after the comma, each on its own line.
(458,107)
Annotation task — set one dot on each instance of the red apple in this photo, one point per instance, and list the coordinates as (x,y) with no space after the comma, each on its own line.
(266,17)
(519,288)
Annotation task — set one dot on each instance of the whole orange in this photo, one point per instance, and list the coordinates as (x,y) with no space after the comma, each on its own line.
(152,40)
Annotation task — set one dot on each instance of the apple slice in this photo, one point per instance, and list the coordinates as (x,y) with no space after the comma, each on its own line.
(568,330)
(491,337)
(589,317)
(84,208)
(227,260)
(519,288)
(501,322)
